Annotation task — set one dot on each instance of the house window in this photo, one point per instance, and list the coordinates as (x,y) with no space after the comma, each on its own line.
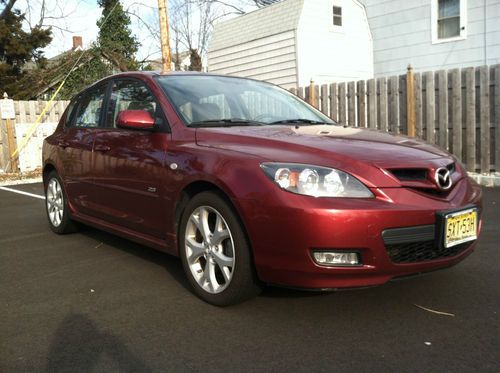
(449,19)
(337,16)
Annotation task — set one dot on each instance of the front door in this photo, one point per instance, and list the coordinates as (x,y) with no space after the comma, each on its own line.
(129,164)
(75,145)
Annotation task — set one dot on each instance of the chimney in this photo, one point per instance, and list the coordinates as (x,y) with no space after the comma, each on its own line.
(77,43)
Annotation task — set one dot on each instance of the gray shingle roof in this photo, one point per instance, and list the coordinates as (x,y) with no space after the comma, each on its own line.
(267,21)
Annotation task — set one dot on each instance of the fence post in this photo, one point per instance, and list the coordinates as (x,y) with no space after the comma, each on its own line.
(312,95)
(8,115)
(410,102)
(11,145)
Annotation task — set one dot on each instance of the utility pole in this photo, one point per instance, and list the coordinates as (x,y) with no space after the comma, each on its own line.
(164,36)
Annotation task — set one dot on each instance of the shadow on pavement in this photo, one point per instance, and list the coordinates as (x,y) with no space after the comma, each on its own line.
(170,263)
(78,345)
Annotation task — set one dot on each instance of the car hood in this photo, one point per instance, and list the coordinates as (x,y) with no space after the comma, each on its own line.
(346,148)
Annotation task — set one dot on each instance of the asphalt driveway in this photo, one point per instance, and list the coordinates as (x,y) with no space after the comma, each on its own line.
(95,302)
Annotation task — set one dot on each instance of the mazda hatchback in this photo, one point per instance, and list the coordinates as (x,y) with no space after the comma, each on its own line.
(249,185)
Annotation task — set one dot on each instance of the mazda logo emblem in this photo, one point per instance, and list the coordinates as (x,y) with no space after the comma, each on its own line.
(443,178)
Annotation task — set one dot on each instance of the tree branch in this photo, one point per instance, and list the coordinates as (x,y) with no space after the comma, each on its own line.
(7,9)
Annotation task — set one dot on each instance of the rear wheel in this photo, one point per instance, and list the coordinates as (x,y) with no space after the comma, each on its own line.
(215,253)
(57,206)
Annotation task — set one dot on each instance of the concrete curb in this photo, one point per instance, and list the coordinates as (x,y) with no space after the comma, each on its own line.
(21,181)
(487,180)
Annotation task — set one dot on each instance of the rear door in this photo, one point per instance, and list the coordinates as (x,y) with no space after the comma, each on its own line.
(129,164)
(75,147)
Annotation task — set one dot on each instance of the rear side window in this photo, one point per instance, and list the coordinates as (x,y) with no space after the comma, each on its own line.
(90,107)
(130,95)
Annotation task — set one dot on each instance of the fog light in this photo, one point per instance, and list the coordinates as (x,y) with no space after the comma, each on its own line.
(339,258)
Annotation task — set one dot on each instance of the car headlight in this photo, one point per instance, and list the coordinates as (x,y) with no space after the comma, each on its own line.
(315,181)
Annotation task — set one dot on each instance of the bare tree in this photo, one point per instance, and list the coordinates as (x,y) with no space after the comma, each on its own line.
(8,6)
(191,23)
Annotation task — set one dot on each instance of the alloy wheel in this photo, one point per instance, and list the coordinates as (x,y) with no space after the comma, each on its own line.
(209,249)
(55,202)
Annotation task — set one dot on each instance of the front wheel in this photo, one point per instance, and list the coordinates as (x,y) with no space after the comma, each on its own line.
(57,206)
(215,253)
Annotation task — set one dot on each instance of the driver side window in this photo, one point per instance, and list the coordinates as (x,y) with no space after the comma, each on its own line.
(129,95)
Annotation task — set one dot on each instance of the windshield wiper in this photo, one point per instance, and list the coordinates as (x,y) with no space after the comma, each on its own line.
(230,122)
(299,120)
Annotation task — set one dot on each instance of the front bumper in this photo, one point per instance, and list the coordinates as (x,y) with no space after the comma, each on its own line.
(285,228)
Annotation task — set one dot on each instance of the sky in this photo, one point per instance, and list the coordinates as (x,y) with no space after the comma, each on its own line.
(80,17)
(70,18)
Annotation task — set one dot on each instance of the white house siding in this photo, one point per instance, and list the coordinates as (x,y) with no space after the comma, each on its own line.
(259,45)
(402,35)
(328,53)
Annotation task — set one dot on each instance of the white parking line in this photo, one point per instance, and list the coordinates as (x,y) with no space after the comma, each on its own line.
(21,192)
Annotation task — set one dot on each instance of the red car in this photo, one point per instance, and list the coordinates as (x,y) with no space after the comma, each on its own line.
(250,185)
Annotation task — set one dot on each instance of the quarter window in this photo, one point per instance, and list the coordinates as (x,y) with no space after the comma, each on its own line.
(337,16)
(90,107)
(129,95)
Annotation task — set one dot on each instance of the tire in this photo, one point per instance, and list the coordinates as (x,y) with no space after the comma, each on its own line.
(56,206)
(219,268)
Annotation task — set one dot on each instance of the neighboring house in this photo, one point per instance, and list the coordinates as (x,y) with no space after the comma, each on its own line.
(184,62)
(77,46)
(433,34)
(293,42)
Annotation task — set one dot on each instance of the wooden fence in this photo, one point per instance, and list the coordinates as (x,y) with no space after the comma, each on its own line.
(457,109)
(26,113)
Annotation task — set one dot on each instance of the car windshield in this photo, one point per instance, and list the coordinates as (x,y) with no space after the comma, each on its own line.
(219,101)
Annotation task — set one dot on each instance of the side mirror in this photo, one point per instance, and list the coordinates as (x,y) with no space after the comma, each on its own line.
(135,119)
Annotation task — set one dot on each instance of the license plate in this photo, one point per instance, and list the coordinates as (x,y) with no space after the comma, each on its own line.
(460,227)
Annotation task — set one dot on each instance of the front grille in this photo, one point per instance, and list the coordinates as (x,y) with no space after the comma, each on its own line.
(409,174)
(422,251)
(421,180)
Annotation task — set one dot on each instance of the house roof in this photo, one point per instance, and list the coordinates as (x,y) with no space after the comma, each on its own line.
(270,20)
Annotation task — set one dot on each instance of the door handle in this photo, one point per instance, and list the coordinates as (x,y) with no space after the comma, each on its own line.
(102,148)
(63,144)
